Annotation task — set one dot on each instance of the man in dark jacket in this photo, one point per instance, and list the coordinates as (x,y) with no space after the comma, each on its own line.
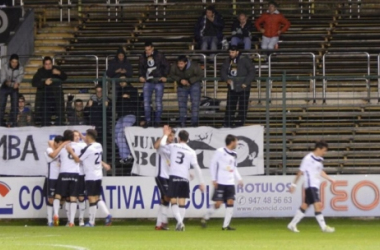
(127,108)
(119,66)
(153,71)
(49,97)
(94,111)
(75,115)
(238,72)
(241,32)
(12,74)
(188,76)
(209,29)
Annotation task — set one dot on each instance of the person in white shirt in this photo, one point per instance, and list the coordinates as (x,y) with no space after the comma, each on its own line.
(81,182)
(224,171)
(50,184)
(91,159)
(312,169)
(162,179)
(67,185)
(182,157)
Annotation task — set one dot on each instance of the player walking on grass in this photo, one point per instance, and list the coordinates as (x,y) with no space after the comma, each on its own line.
(182,157)
(91,158)
(224,171)
(67,185)
(312,169)
(162,179)
(50,184)
(81,181)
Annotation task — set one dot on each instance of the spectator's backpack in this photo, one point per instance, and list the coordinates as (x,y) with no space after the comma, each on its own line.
(209,105)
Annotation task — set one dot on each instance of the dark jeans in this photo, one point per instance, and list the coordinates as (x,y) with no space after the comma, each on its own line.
(195,97)
(148,89)
(4,93)
(233,99)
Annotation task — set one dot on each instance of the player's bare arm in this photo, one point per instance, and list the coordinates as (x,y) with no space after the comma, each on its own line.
(294,184)
(72,153)
(57,150)
(106,166)
(157,144)
(325,176)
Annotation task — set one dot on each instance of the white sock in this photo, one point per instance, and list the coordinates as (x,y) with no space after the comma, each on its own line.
(92,212)
(321,220)
(67,208)
(228,216)
(210,212)
(164,214)
(159,215)
(298,217)
(49,213)
(182,211)
(176,213)
(56,207)
(82,209)
(73,210)
(102,207)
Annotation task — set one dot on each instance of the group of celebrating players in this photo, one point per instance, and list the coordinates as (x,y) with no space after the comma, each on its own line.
(75,170)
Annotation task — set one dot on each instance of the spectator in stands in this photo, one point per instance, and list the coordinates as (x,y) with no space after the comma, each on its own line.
(188,75)
(153,71)
(49,97)
(76,115)
(25,114)
(94,111)
(12,74)
(241,32)
(271,24)
(127,106)
(238,72)
(209,29)
(119,66)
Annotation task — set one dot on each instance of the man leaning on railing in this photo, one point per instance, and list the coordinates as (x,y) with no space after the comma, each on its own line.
(188,75)
(12,74)
(49,96)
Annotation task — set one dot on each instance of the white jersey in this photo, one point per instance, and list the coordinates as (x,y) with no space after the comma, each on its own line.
(53,165)
(91,159)
(182,158)
(163,162)
(82,145)
(68,164)
(223,167)
(311,168)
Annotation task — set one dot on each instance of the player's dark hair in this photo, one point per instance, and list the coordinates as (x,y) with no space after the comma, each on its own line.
(58,139)
(183,135)
(148,44)
(68,135)
(230,139)
(22,97)
(92,133)
(182,58)
(320,145)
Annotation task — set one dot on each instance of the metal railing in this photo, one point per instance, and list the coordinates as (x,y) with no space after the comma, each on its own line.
(78,57)
(347,54)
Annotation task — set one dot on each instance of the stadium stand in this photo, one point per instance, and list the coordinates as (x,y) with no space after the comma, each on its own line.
(342,32)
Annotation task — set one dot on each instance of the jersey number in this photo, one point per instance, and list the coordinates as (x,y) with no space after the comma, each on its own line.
(70,156)
(97,159)
(180,157)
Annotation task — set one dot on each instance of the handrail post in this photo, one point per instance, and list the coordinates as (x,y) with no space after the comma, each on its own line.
(104,120)
(284,123)
(113,160)
(259,81)
(269,85)
(205,73)
(378,79)
(324,78)
(314,80)
(60,11)
(215,81)
(267,132)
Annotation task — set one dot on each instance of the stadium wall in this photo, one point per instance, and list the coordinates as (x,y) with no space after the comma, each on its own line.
(261,196)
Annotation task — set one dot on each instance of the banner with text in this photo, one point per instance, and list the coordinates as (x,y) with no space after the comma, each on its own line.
(261,196)
(204,140)
(22,149)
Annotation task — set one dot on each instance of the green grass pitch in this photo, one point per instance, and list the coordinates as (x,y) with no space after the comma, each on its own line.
(250,234)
